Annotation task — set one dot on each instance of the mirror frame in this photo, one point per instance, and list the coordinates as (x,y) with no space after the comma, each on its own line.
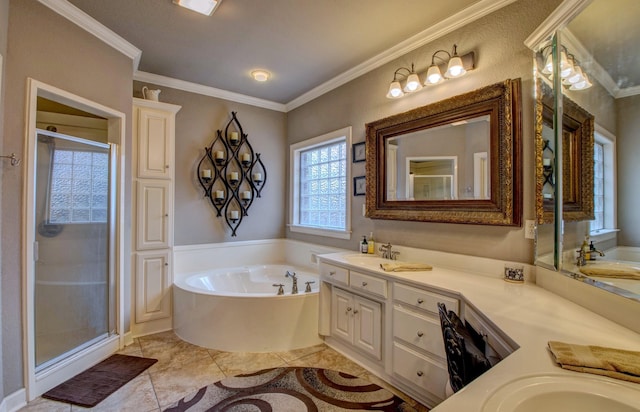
(577,165)
(502,102)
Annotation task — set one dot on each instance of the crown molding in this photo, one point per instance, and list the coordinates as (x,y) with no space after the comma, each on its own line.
(458,20)
(206,90)
(564,13)
(628,92)
(91,25)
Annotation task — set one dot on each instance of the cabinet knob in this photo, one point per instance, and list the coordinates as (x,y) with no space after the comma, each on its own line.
(420,301)
(166,166)
(166,215)
(355,311)
(349,309)
(419,373)
(166,263)
(332,273)
(420,334)
(364,284)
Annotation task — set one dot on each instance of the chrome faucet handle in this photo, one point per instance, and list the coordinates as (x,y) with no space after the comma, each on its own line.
(393,255)
(280,287)
(581,260)
(308,288)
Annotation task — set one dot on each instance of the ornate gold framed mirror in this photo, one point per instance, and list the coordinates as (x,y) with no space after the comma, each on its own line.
(454,161)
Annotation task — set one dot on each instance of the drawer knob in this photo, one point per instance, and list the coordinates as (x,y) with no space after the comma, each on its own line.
(349,309)
(420,301)
(332,273)
(364,284)
(419,373)
(420,334)
(355,312)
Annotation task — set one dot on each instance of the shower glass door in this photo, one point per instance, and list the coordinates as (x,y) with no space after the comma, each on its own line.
(74,305)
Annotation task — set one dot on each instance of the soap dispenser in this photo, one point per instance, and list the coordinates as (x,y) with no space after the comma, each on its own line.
(586,251)
(364,247)
(371,244)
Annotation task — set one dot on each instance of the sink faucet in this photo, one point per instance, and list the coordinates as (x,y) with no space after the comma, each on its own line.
(581,260)
(294,288)
(387,253)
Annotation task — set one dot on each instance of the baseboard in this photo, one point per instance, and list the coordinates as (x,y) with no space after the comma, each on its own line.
(128,338)
(14,402)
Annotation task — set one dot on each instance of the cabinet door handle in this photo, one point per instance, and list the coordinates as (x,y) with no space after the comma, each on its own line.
(419,373)
(420,334)
(420,301)
(364,284)
(332,273)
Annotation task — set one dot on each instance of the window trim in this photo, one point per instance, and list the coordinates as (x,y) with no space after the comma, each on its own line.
(608,140)
(294,183)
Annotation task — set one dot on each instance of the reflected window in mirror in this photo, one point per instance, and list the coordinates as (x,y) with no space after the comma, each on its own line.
(604,183)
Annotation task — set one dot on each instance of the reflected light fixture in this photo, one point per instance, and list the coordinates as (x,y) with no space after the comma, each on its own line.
(456,66)
(260,75)
(206,7)
(571,73)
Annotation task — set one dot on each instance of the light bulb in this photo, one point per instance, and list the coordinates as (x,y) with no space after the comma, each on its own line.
(576,76)
(395,90)
(433,75)
(566,68)
(455,68)
(413,83)
(548,65)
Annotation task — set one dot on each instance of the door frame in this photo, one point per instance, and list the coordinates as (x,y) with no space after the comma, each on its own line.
(38,383)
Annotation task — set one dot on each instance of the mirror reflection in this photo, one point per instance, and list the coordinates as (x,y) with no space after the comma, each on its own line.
(605,251)
(448,162)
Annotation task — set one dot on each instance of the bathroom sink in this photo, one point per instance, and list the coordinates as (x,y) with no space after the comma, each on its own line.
(555,393)
(364,259)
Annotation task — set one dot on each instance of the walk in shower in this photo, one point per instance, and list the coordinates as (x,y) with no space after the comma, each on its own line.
(74,290)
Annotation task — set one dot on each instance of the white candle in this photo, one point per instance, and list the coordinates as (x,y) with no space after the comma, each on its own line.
(246,195)
(257,177)
(219,194)
(219,154)
(246,157)
(546,162)
(234,214)
(234,137)
(206,173)
(233,175)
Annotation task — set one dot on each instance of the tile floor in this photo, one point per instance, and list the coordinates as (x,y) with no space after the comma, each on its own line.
(183,368)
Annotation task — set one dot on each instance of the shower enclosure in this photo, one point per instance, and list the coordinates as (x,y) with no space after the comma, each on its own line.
(74,291)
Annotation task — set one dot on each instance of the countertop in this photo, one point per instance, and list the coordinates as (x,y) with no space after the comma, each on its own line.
(530,315)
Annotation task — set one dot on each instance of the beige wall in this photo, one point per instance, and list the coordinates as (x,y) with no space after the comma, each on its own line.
(48,48)
(628,148)
(4,19)
(196,125)
(498,40)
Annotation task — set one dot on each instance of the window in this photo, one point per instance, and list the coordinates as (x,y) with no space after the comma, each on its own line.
(604,183)
(79,187)
(320,201)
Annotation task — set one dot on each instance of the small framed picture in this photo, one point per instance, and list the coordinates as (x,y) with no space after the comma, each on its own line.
(358,152)
(359,185)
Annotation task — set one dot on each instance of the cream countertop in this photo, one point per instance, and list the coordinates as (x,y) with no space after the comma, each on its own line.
(530,315)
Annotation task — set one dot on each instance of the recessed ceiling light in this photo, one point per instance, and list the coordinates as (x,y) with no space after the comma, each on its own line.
(205,7)
(260,75)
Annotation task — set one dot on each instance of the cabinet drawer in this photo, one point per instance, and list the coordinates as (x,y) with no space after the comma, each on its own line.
(424,373)
(371,284)
(491,336)
(335,273)
(419,331)
(422,299)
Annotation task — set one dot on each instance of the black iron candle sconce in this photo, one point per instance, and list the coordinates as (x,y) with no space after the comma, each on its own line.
(231,174)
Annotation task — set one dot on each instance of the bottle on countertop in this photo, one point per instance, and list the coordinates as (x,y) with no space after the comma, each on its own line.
(585,249)
(364,247)
(371,244)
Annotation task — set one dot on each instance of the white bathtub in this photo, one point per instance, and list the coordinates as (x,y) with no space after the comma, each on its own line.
(238,310)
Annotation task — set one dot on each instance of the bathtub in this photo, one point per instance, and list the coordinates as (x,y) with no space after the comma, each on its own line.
(237,309)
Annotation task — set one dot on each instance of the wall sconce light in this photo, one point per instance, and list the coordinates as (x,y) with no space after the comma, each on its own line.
(456,66)
(571,73)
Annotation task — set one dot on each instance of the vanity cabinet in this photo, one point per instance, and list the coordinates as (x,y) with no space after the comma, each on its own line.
(358,321)
(419,357)
(152,216)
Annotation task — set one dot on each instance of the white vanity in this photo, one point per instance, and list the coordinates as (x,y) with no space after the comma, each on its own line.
(388,323)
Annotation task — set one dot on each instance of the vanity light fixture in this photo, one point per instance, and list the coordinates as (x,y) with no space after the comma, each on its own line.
(206,7)
(571,73)
(260,75)
(456,66)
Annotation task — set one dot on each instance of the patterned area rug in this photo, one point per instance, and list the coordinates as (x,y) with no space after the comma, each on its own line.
(292,389)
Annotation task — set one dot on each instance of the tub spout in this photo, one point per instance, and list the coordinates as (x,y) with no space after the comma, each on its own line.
(294,288)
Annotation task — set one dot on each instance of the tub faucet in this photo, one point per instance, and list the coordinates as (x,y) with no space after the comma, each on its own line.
(280,287)
(294,288)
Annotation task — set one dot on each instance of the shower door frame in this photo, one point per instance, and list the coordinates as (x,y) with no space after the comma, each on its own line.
(36,383)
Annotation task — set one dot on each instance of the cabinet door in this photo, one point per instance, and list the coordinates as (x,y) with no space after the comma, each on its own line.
(342,314)
(367,326)
(155,137)
(153,286)
(153,228)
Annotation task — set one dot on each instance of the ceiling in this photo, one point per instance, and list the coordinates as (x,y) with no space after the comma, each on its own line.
(302,43)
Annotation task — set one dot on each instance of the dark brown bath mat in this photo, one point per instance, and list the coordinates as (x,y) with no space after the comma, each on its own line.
(92,386)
